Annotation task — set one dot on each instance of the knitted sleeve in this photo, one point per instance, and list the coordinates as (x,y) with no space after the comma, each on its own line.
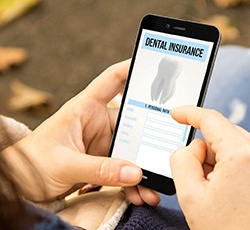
(151,218)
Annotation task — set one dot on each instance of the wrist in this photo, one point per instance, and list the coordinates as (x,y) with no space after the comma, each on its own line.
(22,172)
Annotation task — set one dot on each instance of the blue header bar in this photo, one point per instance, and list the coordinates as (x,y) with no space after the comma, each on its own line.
(148,106)
(176,47)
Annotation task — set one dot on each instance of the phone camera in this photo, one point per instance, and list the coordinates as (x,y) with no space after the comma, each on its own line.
(167,26)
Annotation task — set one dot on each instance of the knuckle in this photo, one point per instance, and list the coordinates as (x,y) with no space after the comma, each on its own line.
(105,174)
(115,71)
(213,113)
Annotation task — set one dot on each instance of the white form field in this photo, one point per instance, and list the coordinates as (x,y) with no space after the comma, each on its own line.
(161,137)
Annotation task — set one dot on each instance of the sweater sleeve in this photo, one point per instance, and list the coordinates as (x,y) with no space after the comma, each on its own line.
(11,131)
(152,218)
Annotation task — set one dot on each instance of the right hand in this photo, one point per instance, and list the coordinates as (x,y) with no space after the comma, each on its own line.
(212,177)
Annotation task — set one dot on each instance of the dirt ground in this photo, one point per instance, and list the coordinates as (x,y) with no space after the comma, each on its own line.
(71,42)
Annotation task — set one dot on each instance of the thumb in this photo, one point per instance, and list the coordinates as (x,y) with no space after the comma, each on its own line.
(186,165)
(105,171)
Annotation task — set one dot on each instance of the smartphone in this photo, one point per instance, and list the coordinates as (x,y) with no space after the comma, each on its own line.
(171,66)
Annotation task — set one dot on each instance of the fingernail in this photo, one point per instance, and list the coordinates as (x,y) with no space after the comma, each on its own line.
(130,175)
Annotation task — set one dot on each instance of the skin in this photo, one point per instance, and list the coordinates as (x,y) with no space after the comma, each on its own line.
(212,176)
(70,147)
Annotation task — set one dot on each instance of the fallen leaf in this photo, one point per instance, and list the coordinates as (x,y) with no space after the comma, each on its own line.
(10,56)
(12,9)
(230,3)
(224,24)
(25,97)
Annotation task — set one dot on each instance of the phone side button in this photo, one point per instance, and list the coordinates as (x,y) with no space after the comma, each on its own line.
(144,177)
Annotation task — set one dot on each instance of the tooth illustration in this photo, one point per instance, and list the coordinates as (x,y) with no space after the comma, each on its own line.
(164,82)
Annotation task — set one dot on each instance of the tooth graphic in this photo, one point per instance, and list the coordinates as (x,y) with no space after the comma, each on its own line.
(164,82)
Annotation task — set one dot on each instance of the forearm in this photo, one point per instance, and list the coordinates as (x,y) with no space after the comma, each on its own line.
(19,168)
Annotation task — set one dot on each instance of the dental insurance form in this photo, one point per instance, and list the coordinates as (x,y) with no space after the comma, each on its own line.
(166,73)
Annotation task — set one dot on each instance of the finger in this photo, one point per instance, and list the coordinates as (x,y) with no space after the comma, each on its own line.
(186,165)
(113,114)
(134,195)
(138,195)
(109,83)
(243,131)
(103,171)
(149,196)
(210,156)
(217,130)
(199,117)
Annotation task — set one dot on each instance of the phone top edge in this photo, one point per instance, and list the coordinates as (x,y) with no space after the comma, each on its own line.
(193,29)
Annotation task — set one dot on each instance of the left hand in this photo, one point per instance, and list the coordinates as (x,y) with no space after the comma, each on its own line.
(65,150)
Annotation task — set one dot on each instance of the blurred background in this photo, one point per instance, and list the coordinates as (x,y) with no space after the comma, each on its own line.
(51,50)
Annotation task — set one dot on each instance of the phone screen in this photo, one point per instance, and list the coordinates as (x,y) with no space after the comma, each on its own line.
(168,70)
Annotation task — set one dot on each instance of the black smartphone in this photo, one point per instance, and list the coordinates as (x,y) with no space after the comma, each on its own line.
(171,66)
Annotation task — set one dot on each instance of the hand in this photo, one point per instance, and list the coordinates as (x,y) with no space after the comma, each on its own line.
(212,176)
(60,149)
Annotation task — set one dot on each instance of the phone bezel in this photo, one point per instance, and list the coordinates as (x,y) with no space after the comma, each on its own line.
(183,28)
